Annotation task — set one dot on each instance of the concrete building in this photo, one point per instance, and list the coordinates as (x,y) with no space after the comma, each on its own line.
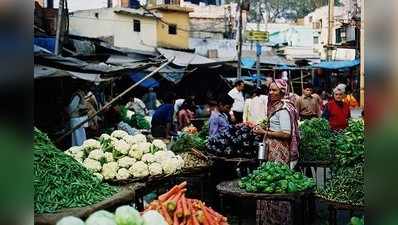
(122,27)
(213,21)
(173,28)
(319,22)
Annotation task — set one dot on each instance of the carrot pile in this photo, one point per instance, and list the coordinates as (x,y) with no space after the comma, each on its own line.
(179,210)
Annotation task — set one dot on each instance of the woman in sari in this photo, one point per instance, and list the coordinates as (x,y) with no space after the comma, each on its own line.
(282,138)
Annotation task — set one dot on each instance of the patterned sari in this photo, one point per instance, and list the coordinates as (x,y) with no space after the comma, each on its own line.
(284,151)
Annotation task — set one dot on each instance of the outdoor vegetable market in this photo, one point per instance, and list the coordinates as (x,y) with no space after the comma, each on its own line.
(142,116)
(136,173)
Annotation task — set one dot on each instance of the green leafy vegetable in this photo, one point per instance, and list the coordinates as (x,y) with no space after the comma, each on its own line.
(186,142)
(316,139)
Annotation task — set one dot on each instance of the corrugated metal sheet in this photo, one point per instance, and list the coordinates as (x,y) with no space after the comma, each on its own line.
(184,58)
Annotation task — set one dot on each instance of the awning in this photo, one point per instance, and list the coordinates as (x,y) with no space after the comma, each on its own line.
(148,83)
(47,43)
(335,65)
(184,58)
(248,62)
(41,72)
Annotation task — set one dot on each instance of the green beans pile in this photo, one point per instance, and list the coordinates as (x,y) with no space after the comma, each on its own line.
(347,186)
(61,182)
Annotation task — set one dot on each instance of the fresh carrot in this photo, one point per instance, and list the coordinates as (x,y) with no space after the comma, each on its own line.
(182,185)
(168,194)
(216,214)
(175,219)
(184,206)
(193,214)
(166,215)
(179,211)
(206,219)
(178,195)
(211,218)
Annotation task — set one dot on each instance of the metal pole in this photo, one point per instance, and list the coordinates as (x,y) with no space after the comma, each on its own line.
(115,99)
(302,80)
(330,30)
(362,56)
(239,72)
(259,53)
(60,19)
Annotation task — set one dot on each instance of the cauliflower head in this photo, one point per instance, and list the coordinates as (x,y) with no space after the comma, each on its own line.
(126,162)
(143,146)
(122,147)
(96,154)
(109,157)
(159,144)
(169,166)
(109,170)
(139,169)
(148,158)
(139,138)
(92,165)
(105,137)
(123,174)
(91,144)
(119,134)
(155,169)
(136,154)
(159,156)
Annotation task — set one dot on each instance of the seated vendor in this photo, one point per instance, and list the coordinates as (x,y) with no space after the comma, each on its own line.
(219,116)
(162,119)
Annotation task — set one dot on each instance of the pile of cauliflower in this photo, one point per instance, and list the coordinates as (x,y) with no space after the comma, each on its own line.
(120,156)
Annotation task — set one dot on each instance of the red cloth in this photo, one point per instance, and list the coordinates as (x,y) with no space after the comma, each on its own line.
(338,115)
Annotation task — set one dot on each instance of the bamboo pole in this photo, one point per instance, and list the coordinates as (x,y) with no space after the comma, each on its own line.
(302,80)
(115,99)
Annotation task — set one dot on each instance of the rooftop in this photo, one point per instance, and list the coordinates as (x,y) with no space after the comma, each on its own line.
(169,7)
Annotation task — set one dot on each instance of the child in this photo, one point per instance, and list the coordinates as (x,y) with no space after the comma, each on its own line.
(219,119)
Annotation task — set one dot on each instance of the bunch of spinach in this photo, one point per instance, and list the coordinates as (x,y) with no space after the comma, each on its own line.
(186,142)
(316,140)
(274,177)
(349,145)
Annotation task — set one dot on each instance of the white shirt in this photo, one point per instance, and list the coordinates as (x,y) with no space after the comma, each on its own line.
(239,100)
(256,108)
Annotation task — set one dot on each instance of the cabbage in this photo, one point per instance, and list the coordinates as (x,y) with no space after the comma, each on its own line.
(101,217)
(70,220)
(126,215)
(152,217)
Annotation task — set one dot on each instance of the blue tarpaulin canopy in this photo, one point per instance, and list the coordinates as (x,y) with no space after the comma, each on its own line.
(337,64)
(148,83)
(45,42)
(248,62)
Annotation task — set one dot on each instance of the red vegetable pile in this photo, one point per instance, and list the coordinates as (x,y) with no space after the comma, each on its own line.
(179,210)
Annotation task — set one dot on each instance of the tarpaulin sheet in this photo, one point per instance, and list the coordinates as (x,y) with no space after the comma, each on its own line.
(337,64)
(45,42)
(148,83)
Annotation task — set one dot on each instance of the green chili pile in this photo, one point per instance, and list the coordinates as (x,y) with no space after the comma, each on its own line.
(274,177)
(60,182)
(347,182)
(316,138)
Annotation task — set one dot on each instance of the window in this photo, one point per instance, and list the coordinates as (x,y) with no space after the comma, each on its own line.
(137,26)
(316,40)
(173,29)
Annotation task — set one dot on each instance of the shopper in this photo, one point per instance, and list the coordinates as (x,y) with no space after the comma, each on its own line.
(350,99)
(150,99)
(282,139)
(137,106)
(218,121)
(239,101)
(162,119)
(337,112)
(256,107)
(308,105)
(185,116)
(78,110)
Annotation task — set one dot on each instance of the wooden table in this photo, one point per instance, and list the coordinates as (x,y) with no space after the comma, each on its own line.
(231,188)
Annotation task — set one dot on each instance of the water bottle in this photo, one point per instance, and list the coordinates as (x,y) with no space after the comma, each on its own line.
(261,152)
